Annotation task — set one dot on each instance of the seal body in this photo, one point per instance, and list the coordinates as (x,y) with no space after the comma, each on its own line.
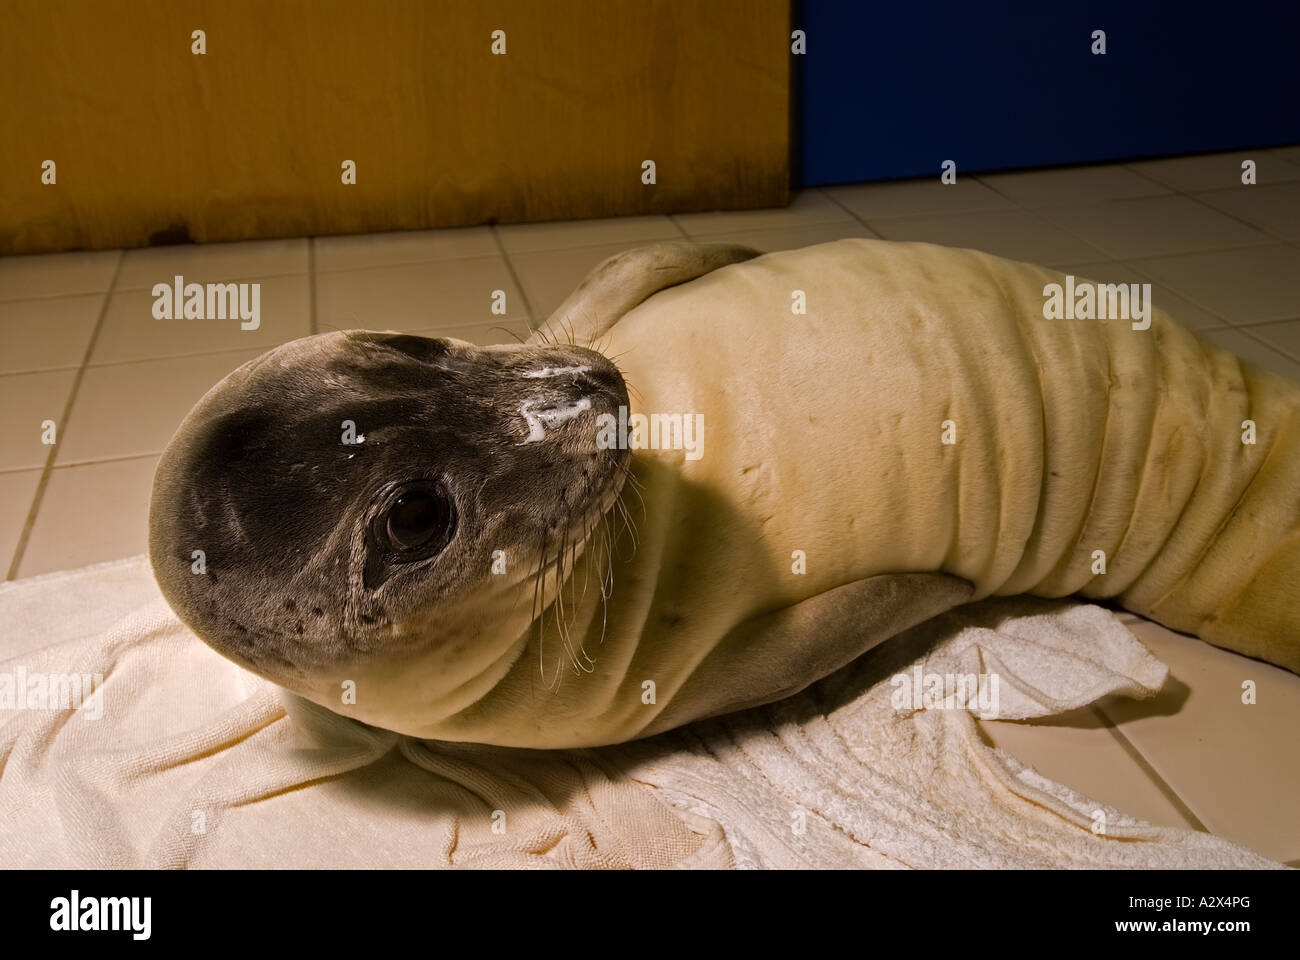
(824,434)
(921,436)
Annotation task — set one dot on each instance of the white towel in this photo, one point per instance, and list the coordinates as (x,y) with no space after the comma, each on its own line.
(194,762)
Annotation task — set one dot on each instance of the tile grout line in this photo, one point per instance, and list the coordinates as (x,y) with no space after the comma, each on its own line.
(115,458)
(1267,241)
(418,261)
(1267,323)
(1156,780)
(746,234)
(36,371)
(1131,167)
(835,200)
(1195,198)
(979,177)
(134,360)
(113,288)
(1223,322)
(244,278)
(1191,298)
(533,322)
(627,243)
(1016,205)
(20,548)
(5,301)
(1162,285)
(1128,165)
(1272,346)
(1232,216)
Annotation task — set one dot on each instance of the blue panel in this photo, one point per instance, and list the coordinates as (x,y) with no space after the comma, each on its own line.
(893,90)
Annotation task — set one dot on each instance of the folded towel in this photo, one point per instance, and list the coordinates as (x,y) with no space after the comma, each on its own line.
(182,759)
(850,774)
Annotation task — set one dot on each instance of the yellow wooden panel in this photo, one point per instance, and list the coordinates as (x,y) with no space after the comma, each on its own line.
(247,140)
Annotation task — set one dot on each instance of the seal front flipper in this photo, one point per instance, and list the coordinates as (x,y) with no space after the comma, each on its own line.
(780,653)
(628,278)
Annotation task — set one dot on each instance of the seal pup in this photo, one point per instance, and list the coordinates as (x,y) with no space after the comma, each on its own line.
(461,567)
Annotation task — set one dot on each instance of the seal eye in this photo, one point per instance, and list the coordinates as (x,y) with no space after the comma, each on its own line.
(411,524)
(415,519)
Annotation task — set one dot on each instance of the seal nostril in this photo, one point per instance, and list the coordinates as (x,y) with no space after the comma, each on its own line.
(600,380)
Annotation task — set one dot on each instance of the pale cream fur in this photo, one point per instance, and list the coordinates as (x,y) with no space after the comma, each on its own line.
(823,435)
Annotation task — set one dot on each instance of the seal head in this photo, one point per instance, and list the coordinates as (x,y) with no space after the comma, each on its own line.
(357,497)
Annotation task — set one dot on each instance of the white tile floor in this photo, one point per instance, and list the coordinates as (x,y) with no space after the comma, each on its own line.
(79,346)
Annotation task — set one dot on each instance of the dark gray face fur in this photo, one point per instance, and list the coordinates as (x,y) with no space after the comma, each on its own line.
(301,569)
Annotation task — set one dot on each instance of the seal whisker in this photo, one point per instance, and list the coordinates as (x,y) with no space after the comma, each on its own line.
(562,627)
(631,482)
(518,339)
(573,580)
(539,610)
(607,577)
(601,344)
(582,644)
(586,567)
(557,611)
(586,576)
(626,517)
(594,542)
